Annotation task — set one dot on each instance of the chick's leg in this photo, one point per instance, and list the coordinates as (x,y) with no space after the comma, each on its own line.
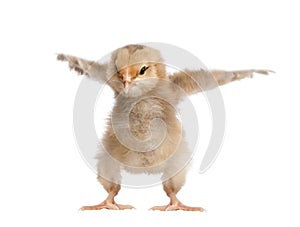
(171,187)
(109,177)
(109,203)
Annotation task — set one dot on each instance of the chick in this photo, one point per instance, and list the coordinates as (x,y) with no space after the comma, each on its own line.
(143,133)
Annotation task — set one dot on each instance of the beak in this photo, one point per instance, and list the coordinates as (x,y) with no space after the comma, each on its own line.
(126,79)
(125,84)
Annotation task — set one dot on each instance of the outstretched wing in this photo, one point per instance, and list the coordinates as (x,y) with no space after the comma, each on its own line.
(91,69)
(201,80)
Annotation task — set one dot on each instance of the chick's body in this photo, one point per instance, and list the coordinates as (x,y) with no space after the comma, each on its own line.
(142,117)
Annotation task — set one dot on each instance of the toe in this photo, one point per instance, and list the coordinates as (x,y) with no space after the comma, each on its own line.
(161,208)
(125,207)
(103,205)
(181,206)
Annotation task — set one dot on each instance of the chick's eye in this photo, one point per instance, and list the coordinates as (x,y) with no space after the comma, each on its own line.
(143,70)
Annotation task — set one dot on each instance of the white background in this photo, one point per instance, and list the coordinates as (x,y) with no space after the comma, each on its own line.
(255,179)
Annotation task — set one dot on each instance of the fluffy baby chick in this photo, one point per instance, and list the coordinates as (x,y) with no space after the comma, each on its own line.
(143,132)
